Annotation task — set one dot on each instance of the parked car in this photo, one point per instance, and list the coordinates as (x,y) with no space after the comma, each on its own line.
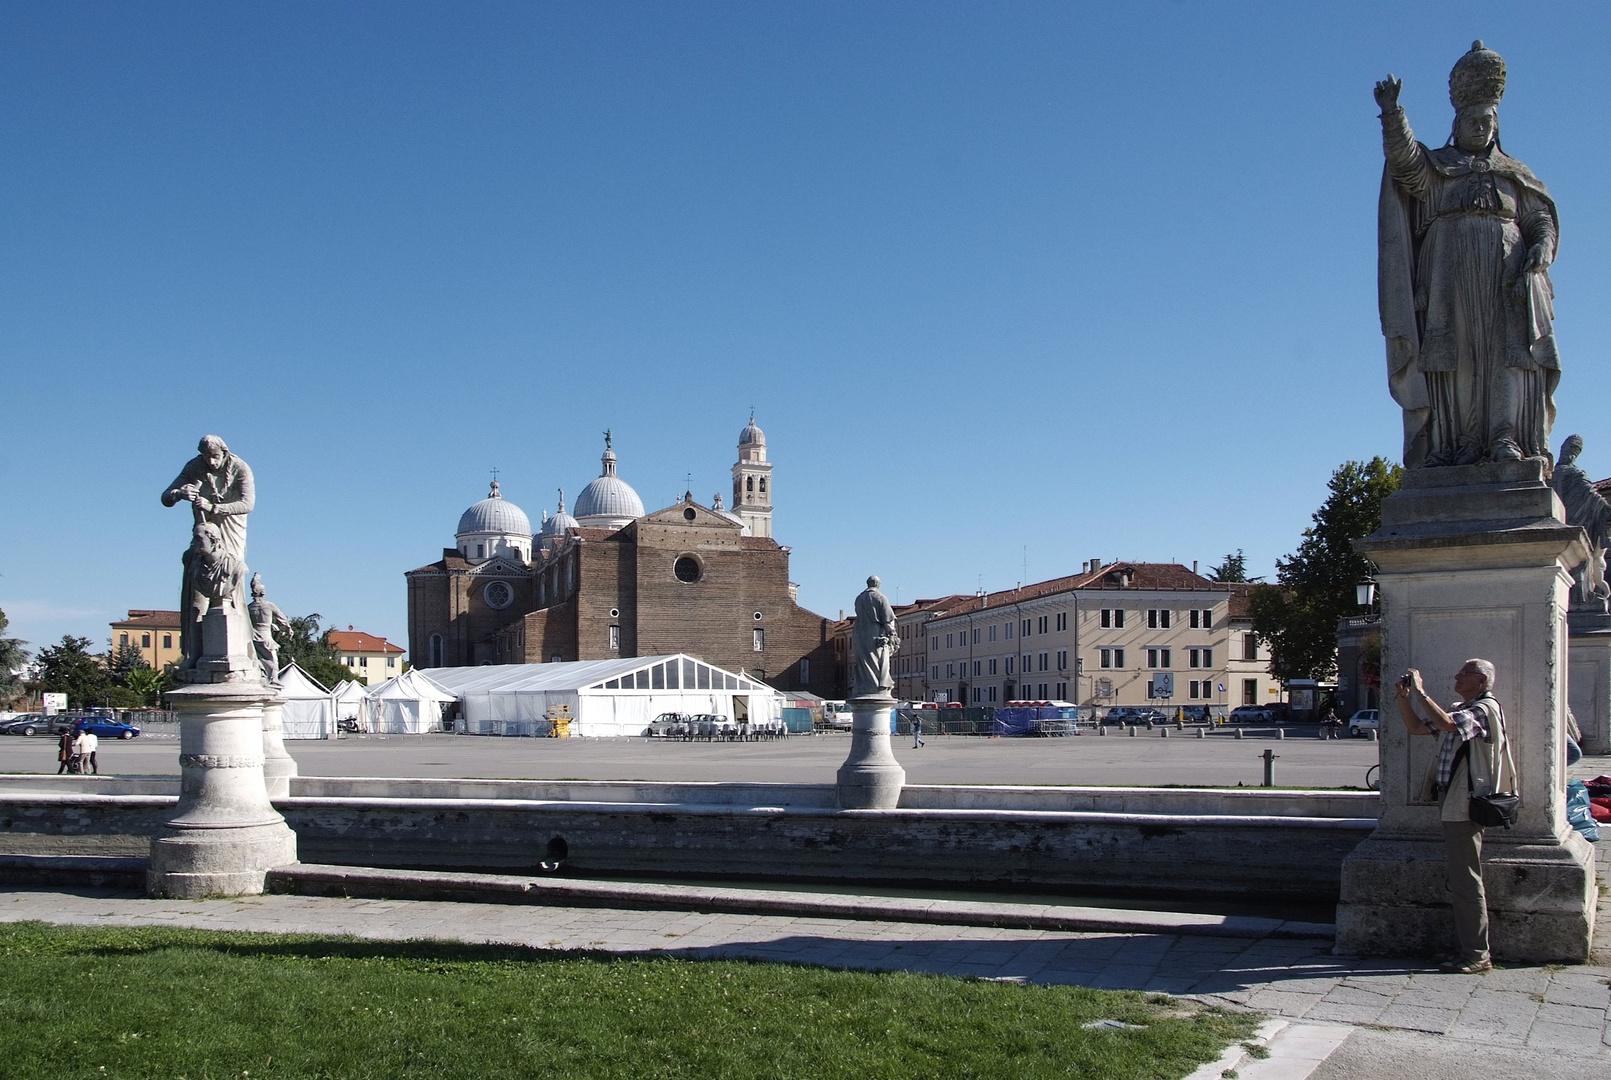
(1250,714)
(1133,714)
(26,724)
(103,727)
(1362,721)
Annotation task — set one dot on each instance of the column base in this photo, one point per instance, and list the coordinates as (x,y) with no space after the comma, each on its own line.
(191,864)
(870,778)
(1541,899)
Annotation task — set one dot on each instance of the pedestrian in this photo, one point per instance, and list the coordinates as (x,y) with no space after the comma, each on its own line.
(917,730)
(84,746)
(1472,759)
(64,750)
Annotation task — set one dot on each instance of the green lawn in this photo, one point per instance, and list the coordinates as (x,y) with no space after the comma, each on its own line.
(193,1004)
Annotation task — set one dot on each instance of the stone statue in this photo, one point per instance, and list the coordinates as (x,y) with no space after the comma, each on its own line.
(1587,508)
(874,642)
(218,485)
(213,579)
(265,617)
(1465,238)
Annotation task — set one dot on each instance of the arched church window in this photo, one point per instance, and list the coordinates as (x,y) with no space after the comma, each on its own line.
(436,650)
(763,485)
(749,483)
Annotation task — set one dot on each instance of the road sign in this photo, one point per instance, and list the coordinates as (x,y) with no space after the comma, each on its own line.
(53,703)
(1163,684)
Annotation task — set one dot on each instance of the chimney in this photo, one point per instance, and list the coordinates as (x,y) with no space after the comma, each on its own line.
(1194,566)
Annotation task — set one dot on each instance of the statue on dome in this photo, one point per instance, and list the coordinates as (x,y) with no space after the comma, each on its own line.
(1465,238)
(874,642)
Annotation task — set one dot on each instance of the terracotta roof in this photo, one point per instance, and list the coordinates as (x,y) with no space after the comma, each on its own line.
(359,642)
(1241,597)
(1123,575)
(140,617)
(760,543)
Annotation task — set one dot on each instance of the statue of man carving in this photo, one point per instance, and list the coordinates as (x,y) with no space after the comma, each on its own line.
(1587,508)
(874,642)
(213,579)
(265,617)
(218,485)
(1466,235)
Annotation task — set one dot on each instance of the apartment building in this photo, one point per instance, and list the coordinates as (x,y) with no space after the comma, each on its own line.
(1115,634)
(372,660)
(912,663)
(154,633)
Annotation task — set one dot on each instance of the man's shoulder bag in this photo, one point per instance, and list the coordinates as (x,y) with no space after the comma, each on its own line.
(1490,811)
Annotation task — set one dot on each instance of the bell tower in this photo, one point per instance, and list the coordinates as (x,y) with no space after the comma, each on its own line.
(752,481)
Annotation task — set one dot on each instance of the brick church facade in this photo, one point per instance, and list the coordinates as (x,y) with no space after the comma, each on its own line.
(616,582)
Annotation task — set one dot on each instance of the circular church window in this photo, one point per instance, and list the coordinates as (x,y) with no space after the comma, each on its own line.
(687,568)
(499,595)
(689,514)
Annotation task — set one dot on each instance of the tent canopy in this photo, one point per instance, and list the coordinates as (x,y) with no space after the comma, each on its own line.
(409,704)
(310,709)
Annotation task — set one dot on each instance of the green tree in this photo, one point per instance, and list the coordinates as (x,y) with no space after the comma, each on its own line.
(126,659)
(13,657)
(70,668)
(1234,568)
(308,648)
(1314,587)
(148,686)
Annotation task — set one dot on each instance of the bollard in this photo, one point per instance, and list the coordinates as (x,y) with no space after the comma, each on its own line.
(1132,730)
(1101,729)
(1163,733)
(1180,725)
(1269,757)
(1372,734)
(1321,734)
(1281,733)
(1238,734)
(1149,725)
(1201,733)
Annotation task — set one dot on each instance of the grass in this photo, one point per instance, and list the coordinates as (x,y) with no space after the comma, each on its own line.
(203,1005)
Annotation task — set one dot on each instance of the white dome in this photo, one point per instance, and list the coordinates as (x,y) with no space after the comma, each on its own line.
(751,435)
(495,514)
(561,522)
(609,501)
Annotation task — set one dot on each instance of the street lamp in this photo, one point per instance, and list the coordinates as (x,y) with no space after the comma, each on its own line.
(1365,593)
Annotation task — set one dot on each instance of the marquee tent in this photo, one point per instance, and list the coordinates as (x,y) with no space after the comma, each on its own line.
(310,709)
(605,697)
(409,704)
(349,697)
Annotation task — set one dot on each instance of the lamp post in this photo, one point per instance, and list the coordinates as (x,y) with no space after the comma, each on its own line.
(1365,593)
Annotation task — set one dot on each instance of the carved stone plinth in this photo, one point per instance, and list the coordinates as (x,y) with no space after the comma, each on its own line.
(870,778)
(1474,561)
(278,765)
(1589,661)
(225,834)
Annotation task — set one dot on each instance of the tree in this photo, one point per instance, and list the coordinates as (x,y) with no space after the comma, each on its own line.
(1314,587)
(1234,568)
(126,659)
(148,686)
(70,668)
(13,657)
(311,650)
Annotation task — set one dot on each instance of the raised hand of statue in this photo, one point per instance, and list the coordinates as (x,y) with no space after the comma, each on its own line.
(1387,93)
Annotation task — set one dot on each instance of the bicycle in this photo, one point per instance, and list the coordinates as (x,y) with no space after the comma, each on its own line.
(1373,778)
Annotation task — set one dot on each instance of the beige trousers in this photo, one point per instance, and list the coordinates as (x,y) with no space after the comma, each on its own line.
(1462,846)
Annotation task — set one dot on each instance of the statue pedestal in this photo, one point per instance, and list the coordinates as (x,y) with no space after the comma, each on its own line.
(1474,561)
(225,834)
(278,765)
(1589,665)
(870,778)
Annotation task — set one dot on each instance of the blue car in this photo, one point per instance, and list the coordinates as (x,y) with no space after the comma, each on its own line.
(104,728)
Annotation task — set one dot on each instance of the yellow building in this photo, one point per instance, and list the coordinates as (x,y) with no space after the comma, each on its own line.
(372,660)
(154,633)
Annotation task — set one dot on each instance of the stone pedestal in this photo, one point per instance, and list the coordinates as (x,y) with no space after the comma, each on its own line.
(278,765)
(225,834)
(1474,561)
(870,778)
(1589,662)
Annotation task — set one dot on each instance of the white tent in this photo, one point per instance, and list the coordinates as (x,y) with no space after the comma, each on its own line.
(409,704)
(349,697)
(605,697)
(310,709)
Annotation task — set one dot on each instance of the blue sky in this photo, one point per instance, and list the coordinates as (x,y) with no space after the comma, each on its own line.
(1008,286)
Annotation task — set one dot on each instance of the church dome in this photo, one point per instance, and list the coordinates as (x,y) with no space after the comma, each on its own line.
(561,522)
(495,514)
(609,501)
(751,435)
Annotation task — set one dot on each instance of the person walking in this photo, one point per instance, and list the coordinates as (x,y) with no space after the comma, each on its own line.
(917,729)
(64,750)
(1473,755)
(85,746)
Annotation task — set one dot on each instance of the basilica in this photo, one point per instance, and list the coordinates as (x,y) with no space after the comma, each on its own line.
(609,580)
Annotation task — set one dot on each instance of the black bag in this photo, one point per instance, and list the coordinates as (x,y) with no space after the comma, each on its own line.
(1489,811)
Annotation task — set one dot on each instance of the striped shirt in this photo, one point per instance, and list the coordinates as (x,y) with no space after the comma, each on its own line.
(1470,722)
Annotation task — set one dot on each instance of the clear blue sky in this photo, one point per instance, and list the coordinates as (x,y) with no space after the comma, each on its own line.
(1006,284)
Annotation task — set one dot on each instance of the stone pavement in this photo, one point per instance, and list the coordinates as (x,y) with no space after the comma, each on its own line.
(1558,1018)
